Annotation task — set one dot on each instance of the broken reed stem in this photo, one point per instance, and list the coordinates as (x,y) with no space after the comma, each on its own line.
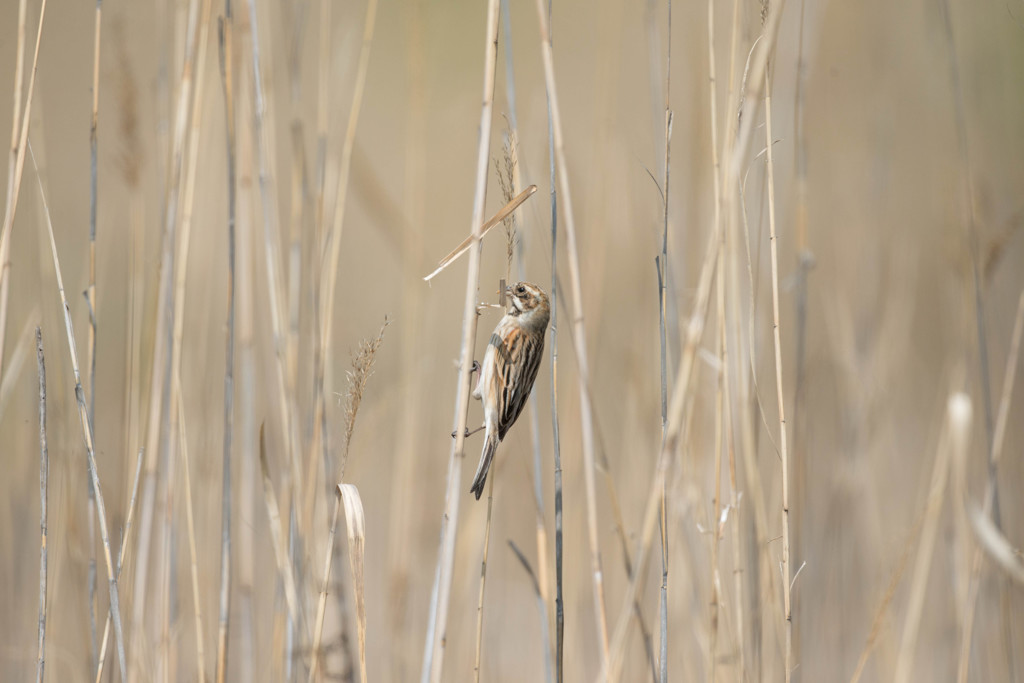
(586,410)
(16,160)
(438,622)
(120,561)
(90,296)
(101,508)
(44,476)
(226,68)
(483,580)
(783,447)
(321,607)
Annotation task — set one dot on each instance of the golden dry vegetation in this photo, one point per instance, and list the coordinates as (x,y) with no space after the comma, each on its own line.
(893,192)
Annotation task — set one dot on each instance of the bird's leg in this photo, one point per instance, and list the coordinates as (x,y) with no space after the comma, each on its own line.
(469,433)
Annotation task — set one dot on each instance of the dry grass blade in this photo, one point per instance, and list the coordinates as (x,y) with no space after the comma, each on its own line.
(505,212)
(101,507)
(355,528)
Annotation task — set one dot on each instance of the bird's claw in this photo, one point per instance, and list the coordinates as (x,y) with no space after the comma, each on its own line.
(456,431)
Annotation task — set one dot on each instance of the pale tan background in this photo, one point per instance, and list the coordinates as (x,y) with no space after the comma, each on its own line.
(890,321)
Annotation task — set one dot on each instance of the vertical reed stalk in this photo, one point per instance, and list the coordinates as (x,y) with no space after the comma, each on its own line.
(101,508)
(120,561)
(783,447)
(483,580)
(437,625)
(586,410)
(559,602)
(16,160)
(44,477)
(193,562)
(321,607)
(663,339)
(227,71)
(91,298)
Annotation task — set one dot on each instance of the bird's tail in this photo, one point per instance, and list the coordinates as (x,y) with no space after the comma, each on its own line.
(486,456)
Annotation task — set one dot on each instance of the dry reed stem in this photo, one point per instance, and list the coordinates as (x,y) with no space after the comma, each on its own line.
(277,537)
(355,528)
(321,607)
(193,562)
(719,408)
(433,659)
(663,339)
(161,337)
(332,246)
(483,580)
(694,332)
(5,244)
(883,606)
(16,160)
(579,337)
(783,442)
(227,75)
(90,294)
(999,435)
(506,211)
(516,183)
(101,508)
(44,469)
(272,259)
(956,427)
(559,602)
(120,560)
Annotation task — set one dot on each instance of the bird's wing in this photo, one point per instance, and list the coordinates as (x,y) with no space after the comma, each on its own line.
(516,361)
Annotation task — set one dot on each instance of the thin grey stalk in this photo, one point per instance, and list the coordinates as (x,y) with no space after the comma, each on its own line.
(538,485)
(83,415)
(663,338)
(44,471)
(559,603)
(90,296)
(225,26)
(579,339)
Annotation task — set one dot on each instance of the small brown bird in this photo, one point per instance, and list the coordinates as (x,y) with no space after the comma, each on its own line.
(510,368)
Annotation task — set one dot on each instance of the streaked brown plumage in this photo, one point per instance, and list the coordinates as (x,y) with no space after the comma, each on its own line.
(510,368)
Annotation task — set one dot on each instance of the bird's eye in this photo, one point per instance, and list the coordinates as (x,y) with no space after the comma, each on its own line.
(520,290)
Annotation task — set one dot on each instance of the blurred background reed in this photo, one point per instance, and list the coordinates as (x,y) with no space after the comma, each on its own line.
(896,170)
